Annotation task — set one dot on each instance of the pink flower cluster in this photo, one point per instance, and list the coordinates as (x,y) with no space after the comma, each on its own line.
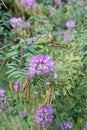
(44,115)
(57,1)
(29,3)
(70,24)
(19,23)
(40,64)
(3,99)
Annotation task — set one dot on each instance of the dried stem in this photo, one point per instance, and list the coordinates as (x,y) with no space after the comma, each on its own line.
(21,57)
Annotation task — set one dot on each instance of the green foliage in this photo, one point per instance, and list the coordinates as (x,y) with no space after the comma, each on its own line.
(66,93)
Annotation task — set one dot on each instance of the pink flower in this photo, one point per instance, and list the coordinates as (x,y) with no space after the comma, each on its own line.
(70,24)
(29,3)
(16,86)
(15,21)
(85,7)
(57,1)
(40,64)
(44,115)
(55,75)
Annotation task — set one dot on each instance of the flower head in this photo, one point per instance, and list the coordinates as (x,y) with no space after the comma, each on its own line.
(46,20)
(67,37)
(55,75)
(2,92)
(52,11)
(32,39)
(3,99)
(40,64)
(26,25)
(44,115)
(85,127)
(62,32)
(16,86)
(70,24)
(57,1)
(85,7)
(29,3)
(15,21)
(66,125)
(69,1)
(23,114)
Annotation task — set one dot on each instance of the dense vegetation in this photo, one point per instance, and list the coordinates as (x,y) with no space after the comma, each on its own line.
(43,65)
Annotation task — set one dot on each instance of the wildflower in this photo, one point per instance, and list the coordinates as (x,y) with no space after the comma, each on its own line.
(46,20)
(26,25)
(55,75)
(57,1)
(32,39)
(15,21)
(3,99)
(44,115)
(85,127)
(40,64)
(85,7)
(52,11)
(62,32)
(16,86)
(67,37)
(66,125)
(23,114)
(69,1)
(35,6)
(2,92)
(29,3)
(70,24)
(0,110)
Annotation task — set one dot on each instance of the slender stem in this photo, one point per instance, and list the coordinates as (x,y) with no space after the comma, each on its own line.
(4,4)
(60,118)
(5,46)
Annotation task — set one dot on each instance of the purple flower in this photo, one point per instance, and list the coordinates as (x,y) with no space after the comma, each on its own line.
(26,25)
(44,115)
(52,11)
(40,64)
(70,24)
(85,7)
(66,125)
(85,127)
(55,75)
(62,32)
(46,20)
(69,1)
(67,37)
(15,21)
(35,6)
(32,39)
(29,3)
(57,1)
(3,99)
(16,86)
(23,114)
(2,92)
(0,110)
